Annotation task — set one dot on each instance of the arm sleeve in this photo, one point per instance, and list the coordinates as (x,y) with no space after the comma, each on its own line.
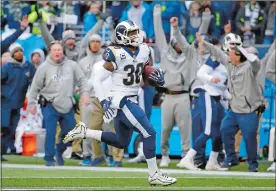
(269,52)
(160,38)
(204,73)
(9,40)
(108,56)
(270,71)
(4,72)
(37,85)
(217,53)
(47,37)
(94,30)
(185,46)
(101,75)
(81,80)
(206,19)
(256,65)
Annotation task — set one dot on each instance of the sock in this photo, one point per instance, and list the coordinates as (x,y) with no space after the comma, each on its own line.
(213,156)
(94,134)
(152,166)
(191,153)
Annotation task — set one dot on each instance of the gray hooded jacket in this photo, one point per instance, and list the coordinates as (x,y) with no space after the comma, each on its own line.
(176,66)
(41,53)
(242,82)
(264,61)
(87,63)
(194,59)
(270,71)
(57,82)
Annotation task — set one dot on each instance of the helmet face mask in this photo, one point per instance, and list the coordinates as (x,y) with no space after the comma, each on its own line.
(128,33)
(230,41)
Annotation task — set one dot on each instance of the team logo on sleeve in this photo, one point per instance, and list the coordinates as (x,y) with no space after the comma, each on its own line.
(106,55)
(122,56)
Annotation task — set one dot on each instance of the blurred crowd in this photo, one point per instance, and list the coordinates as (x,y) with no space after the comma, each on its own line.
(253,21)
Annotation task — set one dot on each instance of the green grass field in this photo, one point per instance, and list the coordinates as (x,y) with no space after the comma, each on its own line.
(32,174)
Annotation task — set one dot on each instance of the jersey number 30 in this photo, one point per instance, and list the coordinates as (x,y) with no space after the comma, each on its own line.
(133,74)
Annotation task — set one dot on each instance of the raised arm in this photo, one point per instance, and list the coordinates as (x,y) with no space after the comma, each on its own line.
(47,37)
(12,38)
(206,19)
(181,40)
(160,38)
(94,30)
(220,56)
(270,71)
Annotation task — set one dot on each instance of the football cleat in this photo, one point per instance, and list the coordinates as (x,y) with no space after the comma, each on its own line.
(160,178)
(78,132)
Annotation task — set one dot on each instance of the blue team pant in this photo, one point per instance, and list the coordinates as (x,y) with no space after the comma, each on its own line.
(197,129)
(131,118)
(67,122)
(211,114)
(248,123)
(9,121)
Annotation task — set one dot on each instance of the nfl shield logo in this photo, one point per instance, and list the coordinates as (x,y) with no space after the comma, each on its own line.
(27,74)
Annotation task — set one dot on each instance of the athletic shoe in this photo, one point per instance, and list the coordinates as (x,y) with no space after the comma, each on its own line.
(78,132)
(160,178)
(117,164)
(187,163)
(165,161)
(59,159)
(50,163)
(86,161)
(3,159)
(253,169)
(137,159)
(214,166)
(98,161)
(272,167)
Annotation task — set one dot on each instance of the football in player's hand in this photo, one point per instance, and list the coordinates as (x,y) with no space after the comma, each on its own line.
(146,73)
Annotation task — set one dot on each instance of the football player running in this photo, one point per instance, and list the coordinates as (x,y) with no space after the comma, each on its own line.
(125,63)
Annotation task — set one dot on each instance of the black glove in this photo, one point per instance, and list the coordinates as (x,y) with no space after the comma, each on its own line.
(105,15)
(77,108)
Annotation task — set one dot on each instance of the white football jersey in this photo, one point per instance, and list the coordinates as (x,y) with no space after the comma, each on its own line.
(128,66)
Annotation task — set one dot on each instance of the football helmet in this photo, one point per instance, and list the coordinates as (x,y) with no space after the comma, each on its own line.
(230,41)
(127,33)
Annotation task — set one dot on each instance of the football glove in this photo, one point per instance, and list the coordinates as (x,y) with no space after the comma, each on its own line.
(109,113)
(157,77)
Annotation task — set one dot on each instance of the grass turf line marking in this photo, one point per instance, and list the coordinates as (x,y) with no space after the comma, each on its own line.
(140,177)
(145,187)
(114,169)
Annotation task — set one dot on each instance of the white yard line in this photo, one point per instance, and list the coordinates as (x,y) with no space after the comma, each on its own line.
(137,177)
(145,187)
(114,169)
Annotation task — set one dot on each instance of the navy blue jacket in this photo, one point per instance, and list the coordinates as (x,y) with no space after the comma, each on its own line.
(15,79)
(5,44)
